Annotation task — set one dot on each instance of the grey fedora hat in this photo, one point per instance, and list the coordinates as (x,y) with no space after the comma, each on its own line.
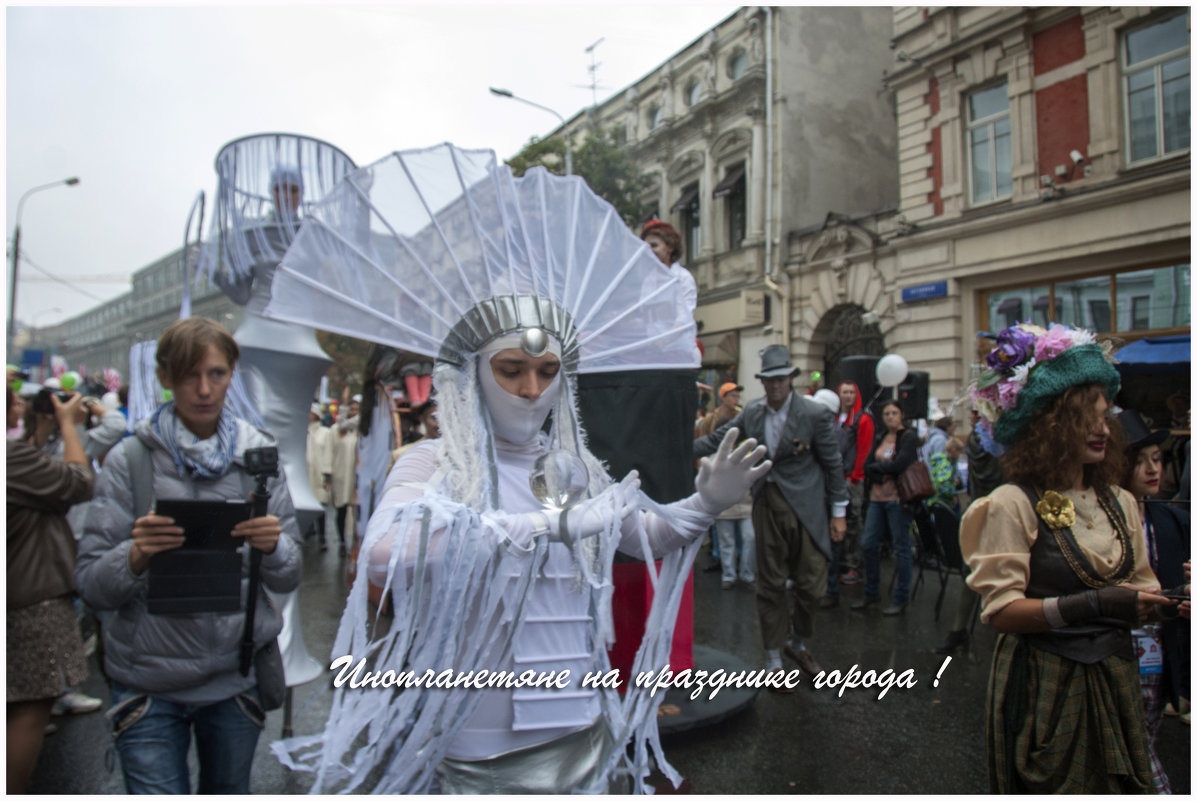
(775,362)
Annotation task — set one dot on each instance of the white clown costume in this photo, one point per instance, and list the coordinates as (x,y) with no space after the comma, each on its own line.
(495,542)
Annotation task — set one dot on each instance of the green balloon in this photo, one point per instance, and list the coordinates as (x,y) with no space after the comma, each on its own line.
(816,376)
(69,380)
(167,395)
(17,384)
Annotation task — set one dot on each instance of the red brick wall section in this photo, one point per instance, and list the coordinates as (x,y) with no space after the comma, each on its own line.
(935,148)
(1062,109)
(1059,45)
(1062,117)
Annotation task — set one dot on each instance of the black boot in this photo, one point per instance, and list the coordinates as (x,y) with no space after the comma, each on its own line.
(955,640)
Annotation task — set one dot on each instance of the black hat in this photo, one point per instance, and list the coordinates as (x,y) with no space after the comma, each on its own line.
(775,362)
(1137,433)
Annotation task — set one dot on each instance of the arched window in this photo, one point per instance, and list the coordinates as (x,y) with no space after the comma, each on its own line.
(653,116)
(737,63)
(693,92)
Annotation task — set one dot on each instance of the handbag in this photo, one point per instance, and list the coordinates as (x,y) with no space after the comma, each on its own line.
(268,669)
(914,483)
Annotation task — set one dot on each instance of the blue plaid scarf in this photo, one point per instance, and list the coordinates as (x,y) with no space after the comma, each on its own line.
(195,457)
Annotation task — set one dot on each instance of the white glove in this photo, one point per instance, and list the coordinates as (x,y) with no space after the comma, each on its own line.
(726,475)
(592,516)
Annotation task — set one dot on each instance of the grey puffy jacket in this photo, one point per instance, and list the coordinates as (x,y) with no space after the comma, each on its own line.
(183,658)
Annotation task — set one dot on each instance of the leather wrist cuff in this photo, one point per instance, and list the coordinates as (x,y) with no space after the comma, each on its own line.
(1119,603)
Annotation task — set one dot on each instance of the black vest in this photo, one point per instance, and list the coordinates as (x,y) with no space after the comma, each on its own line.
(1053,574)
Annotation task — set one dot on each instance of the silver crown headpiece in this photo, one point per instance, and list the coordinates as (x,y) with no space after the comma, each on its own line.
(508,314)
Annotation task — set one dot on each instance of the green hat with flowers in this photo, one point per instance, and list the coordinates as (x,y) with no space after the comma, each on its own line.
(1028,368)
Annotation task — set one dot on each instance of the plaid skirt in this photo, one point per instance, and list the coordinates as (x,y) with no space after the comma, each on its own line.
(1059,726)
(45,652)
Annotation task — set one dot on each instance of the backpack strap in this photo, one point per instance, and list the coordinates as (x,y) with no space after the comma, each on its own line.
(141,473)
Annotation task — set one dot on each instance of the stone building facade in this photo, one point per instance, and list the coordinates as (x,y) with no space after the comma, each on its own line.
(102,336)
(1044,174)
(760,127)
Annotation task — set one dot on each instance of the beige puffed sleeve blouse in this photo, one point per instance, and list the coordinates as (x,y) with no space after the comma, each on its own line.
(997,533)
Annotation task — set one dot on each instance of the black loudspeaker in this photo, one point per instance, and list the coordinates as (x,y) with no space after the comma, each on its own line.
(862,371)
(912,394)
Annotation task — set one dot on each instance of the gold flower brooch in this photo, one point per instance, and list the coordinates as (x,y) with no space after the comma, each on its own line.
(1056,510)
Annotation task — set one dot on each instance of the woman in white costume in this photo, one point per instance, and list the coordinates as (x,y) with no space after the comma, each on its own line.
(495,542)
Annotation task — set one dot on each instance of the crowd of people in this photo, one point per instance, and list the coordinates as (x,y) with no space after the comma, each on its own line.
(492,532)
(1085,631)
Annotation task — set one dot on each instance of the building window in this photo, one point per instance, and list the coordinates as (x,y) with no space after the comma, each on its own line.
(1140,313)
(1155,299)
(1099,315)
(1156,86)
(1152,299)
(737,64)
(731,188)
(989,156)
(693,92)
(1086,303)
(653,117)
(687,208)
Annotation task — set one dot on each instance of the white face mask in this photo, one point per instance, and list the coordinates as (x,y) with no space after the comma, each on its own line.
(516,420)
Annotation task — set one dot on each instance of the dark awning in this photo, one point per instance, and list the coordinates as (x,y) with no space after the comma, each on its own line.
(1010,306)
(729,181)
(686,199)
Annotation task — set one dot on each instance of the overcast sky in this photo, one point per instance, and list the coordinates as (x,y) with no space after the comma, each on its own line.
(137,101)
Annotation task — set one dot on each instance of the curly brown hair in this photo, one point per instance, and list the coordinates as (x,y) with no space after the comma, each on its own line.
(1050,445)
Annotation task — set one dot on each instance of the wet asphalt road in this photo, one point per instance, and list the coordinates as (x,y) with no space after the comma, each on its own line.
(922,740)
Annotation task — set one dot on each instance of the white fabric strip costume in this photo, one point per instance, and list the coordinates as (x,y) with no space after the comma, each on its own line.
(443,253)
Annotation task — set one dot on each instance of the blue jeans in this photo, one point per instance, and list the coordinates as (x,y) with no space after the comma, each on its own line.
(737,546)
(880,516)
(153,737)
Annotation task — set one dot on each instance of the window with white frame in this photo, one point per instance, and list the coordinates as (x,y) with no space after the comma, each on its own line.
(989,155)
(1155,64)
(693,92)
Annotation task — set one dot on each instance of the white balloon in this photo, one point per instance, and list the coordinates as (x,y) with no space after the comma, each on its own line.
(891,370)
(828,398)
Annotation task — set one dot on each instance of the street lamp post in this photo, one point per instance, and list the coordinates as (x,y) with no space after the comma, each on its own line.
(16,252)
(569,155)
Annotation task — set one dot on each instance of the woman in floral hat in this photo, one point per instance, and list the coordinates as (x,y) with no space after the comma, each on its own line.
(1059,559)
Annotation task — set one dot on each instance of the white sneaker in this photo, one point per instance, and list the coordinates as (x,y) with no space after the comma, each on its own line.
(75,703)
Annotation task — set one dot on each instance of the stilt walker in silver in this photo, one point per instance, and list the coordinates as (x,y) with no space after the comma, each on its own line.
(495,542)
(265,183)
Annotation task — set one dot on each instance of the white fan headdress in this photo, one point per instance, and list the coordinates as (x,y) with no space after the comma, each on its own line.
(436,251)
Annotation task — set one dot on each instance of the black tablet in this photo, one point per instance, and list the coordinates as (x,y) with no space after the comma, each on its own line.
(206,524)
(204,574)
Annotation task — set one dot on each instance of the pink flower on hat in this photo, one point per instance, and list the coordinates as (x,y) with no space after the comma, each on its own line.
(1058,339)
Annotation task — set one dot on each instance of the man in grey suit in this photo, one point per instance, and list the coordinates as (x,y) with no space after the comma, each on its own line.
(790,505)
